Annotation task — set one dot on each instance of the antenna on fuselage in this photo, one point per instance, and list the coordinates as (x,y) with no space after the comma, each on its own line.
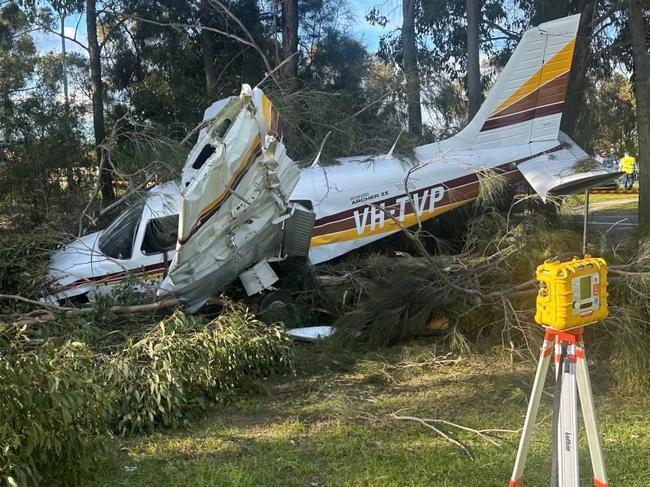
(392,149)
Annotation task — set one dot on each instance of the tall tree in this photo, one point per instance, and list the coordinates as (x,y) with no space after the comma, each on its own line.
(639,34)
(97,92)
(208,52)
(456,31)
(17,55)
(473,64)
(410,66)
(582,58)
(290,42)
(44,12)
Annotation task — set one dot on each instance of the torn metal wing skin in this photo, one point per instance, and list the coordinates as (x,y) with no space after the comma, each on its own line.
(235,186)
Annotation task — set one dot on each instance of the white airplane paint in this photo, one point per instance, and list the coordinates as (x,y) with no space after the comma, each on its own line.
(140,243)
(243,202)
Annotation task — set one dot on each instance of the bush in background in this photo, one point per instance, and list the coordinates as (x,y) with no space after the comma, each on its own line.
(23,261)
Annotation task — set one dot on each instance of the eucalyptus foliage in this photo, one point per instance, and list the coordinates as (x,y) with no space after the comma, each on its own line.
(54,422)
(183,365)
(23,260)
(62,403)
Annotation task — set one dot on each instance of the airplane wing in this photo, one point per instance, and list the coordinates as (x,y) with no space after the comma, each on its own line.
(235,186)
(564,171)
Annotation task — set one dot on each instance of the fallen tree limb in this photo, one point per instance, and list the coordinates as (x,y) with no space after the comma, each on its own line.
(40,316)
(15,297)
(429,423)
(437,430)
(431,362)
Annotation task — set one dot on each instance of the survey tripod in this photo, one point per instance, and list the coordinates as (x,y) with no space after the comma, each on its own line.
(567,349)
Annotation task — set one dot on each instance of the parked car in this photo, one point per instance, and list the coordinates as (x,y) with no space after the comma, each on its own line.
(611,166)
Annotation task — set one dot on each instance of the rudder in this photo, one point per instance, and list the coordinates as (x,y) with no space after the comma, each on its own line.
(526,102)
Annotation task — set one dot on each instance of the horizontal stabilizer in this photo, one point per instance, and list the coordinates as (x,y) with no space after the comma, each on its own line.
(567,169)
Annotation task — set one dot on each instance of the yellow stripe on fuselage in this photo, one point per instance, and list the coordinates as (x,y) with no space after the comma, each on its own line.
(266,110)
(389,226)
(242,167)
(561,63)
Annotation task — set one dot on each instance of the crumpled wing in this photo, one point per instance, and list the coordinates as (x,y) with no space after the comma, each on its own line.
(566,170)
(235,184)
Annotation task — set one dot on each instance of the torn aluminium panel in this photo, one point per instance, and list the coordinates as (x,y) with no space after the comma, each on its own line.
(234,202)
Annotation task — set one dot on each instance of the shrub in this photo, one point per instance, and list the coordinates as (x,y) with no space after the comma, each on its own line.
(54,420)
(61,403)
(183,365)
(24,259)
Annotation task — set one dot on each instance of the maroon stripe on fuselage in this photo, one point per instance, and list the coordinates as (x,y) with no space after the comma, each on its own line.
(450,184)
(110,277)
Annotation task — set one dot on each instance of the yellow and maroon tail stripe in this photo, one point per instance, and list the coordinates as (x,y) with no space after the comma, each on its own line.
(541,95)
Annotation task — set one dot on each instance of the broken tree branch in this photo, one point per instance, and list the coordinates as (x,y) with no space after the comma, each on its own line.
(15,297)
(437,430)
(53,311)
(483,433)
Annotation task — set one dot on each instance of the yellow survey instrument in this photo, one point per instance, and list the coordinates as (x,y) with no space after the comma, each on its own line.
(572,292)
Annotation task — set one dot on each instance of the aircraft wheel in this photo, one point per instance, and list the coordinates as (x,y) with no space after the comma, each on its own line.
(274,300)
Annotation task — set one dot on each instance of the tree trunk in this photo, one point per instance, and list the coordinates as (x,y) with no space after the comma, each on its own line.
(207,51)
(641,58)
(106,176)
(66,101)
(64,68)
(290,42)
(410,66)
(582,55)
(473,64)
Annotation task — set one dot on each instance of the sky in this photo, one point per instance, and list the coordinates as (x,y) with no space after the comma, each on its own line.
(367,33)
(360,28)
(52,42)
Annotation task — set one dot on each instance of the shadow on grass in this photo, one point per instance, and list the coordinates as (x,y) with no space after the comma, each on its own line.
(334,428)
(346,454)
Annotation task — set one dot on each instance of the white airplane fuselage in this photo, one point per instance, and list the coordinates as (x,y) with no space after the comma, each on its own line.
(361,199)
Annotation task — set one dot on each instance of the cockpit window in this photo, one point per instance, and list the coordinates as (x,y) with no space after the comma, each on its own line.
(203,156)
(160,235)
(117,240)
(223,127)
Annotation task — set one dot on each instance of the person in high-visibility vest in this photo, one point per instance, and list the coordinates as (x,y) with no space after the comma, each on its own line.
(627,164)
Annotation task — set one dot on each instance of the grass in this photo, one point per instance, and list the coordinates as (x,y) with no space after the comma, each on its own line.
(579,199)
(630,206)
(332,426)
(603,204)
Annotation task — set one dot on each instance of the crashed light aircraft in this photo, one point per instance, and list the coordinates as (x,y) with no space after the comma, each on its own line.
(242,203)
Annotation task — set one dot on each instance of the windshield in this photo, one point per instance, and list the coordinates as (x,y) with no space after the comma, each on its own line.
(160,235)
(117,240)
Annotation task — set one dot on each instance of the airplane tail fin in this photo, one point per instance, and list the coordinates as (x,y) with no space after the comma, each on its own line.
(525,104)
